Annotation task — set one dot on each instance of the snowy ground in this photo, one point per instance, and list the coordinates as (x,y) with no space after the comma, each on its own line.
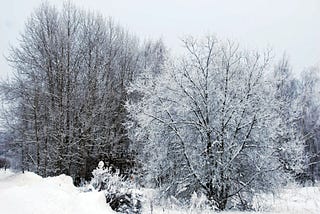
(30,194)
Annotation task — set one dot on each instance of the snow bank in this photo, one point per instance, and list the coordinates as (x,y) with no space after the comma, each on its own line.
(29,193)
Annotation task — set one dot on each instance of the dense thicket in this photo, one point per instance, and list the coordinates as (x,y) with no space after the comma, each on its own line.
(299,113)
(66,98)
(309,122)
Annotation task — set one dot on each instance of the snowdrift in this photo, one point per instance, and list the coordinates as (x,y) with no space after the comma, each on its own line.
(29,193)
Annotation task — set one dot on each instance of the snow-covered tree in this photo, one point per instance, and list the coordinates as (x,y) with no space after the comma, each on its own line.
(309,122)
(67,94)
(289,135)
(209,123)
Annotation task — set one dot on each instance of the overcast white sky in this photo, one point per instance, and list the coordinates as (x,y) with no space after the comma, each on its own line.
(292,26)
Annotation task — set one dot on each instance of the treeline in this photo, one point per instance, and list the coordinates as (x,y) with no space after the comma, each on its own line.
(219,120)
(66,98)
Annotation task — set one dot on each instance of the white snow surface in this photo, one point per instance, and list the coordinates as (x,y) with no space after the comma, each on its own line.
(29,193)
(292,199)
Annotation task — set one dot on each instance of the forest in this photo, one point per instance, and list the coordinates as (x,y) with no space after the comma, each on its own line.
(218,119)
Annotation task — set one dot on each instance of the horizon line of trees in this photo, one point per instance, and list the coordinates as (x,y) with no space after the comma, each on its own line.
(219,121)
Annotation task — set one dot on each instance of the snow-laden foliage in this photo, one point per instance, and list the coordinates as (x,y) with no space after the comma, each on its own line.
(310,122)
(289,134)
(209,124)
(119,193)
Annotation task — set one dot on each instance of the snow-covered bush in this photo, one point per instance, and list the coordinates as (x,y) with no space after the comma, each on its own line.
(199,203)
(119,193)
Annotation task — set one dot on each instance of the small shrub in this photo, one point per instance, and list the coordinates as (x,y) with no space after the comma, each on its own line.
(119,193)
(4,163)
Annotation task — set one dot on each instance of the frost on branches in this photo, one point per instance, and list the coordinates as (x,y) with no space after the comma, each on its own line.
(119,193)
(209,124)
